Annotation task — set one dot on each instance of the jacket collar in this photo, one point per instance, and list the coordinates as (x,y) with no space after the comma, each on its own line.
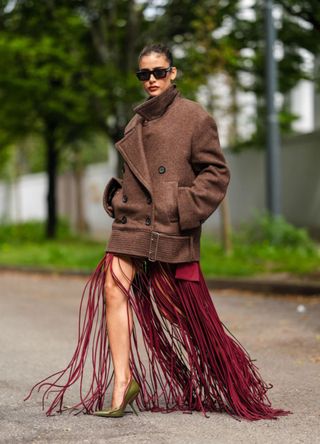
(154,107)
(131,145)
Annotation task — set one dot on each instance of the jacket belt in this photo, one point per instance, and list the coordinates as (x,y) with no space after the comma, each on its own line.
(153,246)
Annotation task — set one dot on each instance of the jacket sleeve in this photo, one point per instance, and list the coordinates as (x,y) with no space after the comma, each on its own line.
(198,201)
(111,188)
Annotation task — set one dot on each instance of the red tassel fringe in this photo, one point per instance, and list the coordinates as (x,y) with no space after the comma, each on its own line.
(193,364)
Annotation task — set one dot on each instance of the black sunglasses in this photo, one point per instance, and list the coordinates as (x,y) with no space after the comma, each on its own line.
(159,73)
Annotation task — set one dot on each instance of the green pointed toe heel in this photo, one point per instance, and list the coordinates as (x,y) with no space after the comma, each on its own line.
(130,395)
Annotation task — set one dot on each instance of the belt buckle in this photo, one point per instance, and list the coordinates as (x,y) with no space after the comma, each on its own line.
(153,247)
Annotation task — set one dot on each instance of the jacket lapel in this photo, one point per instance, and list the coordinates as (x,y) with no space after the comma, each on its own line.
(132,150)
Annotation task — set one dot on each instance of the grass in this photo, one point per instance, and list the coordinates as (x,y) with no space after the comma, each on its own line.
(264,246)
(249,260)
(25,245)
(59,255)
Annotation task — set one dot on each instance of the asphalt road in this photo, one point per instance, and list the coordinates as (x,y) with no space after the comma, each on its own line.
(38,316)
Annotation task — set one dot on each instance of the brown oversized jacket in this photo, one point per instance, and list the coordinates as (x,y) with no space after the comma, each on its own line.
(174,177)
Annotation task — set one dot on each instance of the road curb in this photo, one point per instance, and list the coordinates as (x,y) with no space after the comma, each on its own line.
(290,287)
(254,284)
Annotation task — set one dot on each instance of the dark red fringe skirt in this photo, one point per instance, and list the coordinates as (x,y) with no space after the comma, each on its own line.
(191,362)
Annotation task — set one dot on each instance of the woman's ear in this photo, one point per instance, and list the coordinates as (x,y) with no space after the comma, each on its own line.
(173,73)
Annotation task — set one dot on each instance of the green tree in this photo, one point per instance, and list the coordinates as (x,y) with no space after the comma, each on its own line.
(116,32)
(295,36)
(47,87)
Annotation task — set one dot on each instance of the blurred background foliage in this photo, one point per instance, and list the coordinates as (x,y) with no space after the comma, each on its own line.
(255,249)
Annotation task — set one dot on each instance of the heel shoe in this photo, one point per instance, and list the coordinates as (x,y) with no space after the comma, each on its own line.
(132,391)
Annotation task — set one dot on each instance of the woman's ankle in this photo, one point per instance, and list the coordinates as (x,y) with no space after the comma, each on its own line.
(122,379)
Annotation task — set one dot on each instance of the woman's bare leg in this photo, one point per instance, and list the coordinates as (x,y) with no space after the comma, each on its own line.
(119,330)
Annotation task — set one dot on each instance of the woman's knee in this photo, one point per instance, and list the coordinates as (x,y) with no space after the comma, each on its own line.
(119,276)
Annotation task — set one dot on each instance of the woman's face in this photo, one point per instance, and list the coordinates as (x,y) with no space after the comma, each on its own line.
(154,87)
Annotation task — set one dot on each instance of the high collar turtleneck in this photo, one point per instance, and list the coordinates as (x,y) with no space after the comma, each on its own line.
(154,107)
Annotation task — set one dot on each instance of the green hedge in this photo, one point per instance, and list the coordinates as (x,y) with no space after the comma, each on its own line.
(265,245)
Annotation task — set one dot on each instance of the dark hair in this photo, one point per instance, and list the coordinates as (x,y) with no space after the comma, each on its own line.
(159,48)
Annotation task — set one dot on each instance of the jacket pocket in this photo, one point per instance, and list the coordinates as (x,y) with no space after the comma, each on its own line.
(171,196)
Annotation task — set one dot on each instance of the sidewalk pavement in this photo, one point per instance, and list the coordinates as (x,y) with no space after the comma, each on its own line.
(38,318)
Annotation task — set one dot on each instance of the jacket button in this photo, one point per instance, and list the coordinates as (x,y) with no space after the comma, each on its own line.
(124,198)
(161,169)
(148,220)
(123,220)
(149,200)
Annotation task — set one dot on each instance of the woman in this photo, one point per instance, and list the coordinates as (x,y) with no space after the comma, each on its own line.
(174,177)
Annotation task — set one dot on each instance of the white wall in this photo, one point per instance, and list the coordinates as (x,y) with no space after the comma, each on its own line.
(300,166)
(25,199)
(302,104)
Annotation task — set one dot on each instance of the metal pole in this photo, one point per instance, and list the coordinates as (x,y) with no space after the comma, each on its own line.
(272,128)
